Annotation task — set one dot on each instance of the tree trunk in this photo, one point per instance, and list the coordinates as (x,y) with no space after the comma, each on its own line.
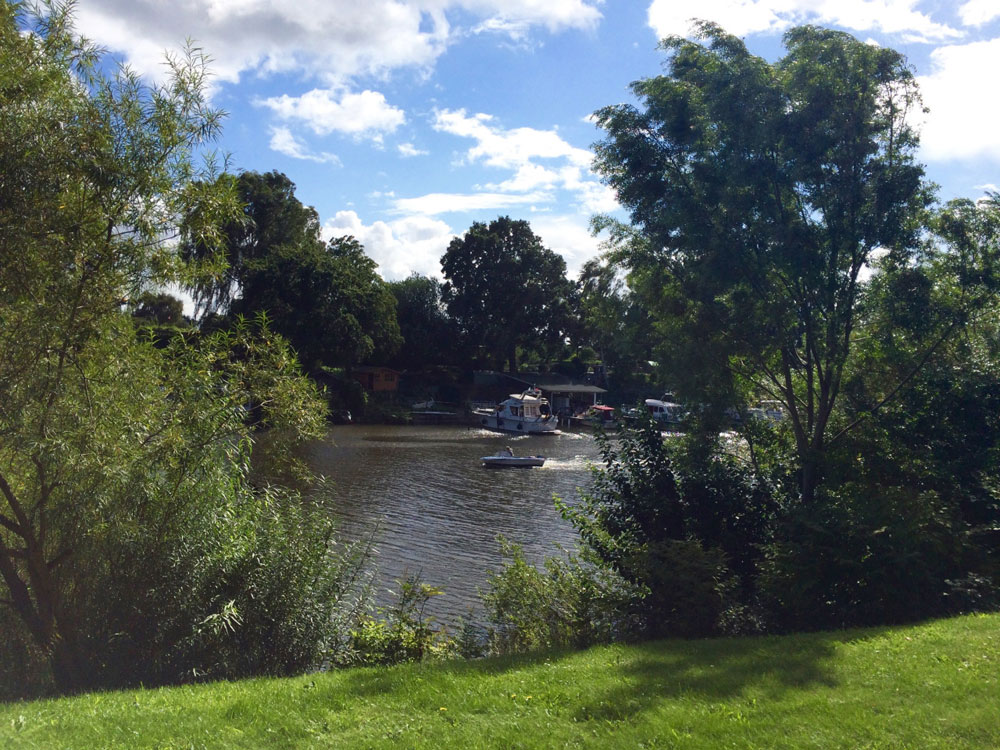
(512,359)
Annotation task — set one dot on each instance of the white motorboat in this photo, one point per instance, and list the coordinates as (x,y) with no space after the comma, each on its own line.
(506,458)
(665,411)
(524,413)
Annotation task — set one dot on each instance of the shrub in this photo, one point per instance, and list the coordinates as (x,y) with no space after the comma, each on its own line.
(677,522)
(399,633)
(863,554)
(567,603)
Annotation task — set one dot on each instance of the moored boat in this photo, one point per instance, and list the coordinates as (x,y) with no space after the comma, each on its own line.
(664,411)
(524,413)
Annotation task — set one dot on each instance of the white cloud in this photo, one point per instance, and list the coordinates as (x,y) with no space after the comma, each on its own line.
(324,111)
(284,142)
(434,204)
(539,159)
(570,237)
(413,243)
(517,15)
(962,123)
(333,40)
(979,12)
(408,150)
(510,149)
(742,17)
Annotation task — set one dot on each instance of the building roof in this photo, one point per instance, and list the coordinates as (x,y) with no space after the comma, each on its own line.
(374,368)
(571,388)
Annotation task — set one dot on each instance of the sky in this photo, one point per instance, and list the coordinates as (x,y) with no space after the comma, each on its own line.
(403,121)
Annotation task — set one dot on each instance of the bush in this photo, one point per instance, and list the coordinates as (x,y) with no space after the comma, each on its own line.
(863,555)
(677,523)
(568,603)
(400,633)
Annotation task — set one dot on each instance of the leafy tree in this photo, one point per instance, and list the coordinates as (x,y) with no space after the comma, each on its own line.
(272,220)
(159,308)
(429,338)
(612,318)
(761,192)
(133,545)
(505,290)
(327,300)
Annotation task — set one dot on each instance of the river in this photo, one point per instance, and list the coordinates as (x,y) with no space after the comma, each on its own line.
(435,511)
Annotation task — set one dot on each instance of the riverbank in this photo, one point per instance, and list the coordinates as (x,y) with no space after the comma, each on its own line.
(931,685)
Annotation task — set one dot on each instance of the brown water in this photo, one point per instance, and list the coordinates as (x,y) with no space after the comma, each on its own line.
(434,510)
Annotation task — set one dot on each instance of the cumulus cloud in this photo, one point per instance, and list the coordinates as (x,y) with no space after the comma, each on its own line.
(540,160)
(742,17)
(570,237)
(284,142)
(324,111)
(963,116)
(400,247)
(333,40)
(979,12)
(510,149)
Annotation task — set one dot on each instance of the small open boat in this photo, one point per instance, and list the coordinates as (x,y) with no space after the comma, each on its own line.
(506,458)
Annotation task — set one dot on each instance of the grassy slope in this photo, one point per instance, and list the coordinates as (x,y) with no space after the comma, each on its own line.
(932,685)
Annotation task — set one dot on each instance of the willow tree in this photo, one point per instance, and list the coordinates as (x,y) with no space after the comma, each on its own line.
(130,535)
(761,191)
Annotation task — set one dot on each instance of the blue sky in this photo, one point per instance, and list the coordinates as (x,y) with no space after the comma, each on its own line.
(403,121)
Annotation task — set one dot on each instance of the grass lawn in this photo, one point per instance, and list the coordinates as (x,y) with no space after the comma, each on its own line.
(923,686)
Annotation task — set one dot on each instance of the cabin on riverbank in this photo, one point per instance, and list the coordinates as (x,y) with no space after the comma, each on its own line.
(377,379)
(568,399)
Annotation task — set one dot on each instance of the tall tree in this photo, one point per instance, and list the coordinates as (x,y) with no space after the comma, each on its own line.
(127,522)
(272,220)
(763,190)
(327,300)
(612,318)
(505,290)
(429,338)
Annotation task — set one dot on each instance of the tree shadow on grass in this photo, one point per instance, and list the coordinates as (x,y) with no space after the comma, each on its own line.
(643,675)
(712,670)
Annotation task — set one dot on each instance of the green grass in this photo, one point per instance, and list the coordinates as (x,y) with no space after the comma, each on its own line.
(924,686)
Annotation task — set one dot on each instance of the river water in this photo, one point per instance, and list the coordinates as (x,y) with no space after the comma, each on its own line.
(433,510)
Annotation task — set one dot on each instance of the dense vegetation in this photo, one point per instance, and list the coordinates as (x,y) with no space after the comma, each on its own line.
(782,244)
(788,249)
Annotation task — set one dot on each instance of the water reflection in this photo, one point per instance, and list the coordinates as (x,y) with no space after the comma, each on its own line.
(433,509)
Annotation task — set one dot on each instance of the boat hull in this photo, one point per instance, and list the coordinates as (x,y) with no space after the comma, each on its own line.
(518,426)
(512,462)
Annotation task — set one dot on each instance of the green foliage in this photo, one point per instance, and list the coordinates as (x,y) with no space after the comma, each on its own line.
(612,318)
(138,541)
(569,603)
(865,555)
(399,633)
(504,290)
(757,193)
(429,338)
(679,522)
(327,300)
